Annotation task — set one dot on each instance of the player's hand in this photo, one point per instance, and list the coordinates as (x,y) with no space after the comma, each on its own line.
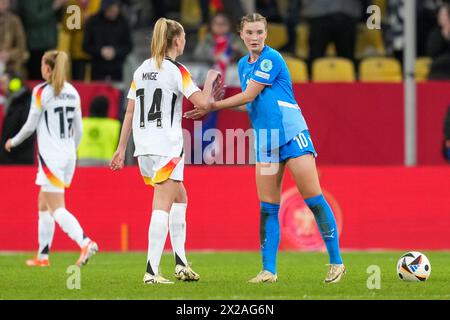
(196,113)
(218,88)
(118,160)
(214,78)
(8,145)
(212,75)
(218,92)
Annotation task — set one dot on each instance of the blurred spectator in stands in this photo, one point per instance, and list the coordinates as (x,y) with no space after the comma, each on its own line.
(446,144)
(13,51)
(233,8)
(40,19)
(208,6)
(15,6)
(248,6)
(426,22)
(100,135)
(332,21)
(79,58)
(269,9)
(394,33)
(16,113)
(438,46)
(159,9)
(107,38)
(395,29)
(142,14)
(291,21)
(221,45)
(295,13)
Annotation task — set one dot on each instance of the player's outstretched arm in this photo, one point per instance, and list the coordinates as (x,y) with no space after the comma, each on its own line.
(242,108)
(203,99)
(238,100)
(118,159)
(25,132)
(251,92)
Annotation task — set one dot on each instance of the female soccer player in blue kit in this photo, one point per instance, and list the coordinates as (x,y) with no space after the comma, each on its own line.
(282,139)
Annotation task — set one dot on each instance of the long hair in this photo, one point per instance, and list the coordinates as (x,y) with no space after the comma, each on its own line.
(252,17)
(57,61)
(164,32)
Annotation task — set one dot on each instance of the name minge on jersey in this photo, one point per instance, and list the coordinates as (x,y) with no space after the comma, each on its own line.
(149,76)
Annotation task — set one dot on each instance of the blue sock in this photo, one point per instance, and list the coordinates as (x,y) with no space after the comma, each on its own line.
(269,235)
(327,226)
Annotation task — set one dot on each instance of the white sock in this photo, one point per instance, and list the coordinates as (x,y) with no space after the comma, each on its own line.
(46,230)
(157,234)
(70,225)
(177,227)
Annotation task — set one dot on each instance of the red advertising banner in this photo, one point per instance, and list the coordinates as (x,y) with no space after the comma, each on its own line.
(88,91)
(375,208)
(350,124)
(363,123)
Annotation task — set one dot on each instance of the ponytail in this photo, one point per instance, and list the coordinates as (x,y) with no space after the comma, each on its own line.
(57,61)
(159,41)
(164,32)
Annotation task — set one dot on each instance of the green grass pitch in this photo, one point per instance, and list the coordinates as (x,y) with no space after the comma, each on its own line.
(223,276)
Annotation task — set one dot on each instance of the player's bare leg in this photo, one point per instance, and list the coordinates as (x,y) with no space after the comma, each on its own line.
(304,172)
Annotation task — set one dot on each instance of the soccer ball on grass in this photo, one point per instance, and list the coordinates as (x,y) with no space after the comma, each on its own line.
(413,266)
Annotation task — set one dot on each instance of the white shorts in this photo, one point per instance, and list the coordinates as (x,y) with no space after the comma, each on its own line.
(55,175)
(157,169)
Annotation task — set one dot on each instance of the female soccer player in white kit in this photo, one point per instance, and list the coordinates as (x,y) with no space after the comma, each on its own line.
(154,112)
(56,114)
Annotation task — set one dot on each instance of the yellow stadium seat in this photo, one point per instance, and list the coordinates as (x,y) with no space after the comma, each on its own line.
(63,40)
(297,68)
(331,50)
(190,13)
(276,35)
(333,70)
(383,6)
(64,45)
(423,66)
(368,42)
(301,43)
(380,69)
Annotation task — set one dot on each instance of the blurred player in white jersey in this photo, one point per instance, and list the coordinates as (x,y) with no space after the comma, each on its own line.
(154,113)
(56,114)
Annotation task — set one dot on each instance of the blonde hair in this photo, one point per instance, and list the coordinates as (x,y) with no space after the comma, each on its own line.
(164,32)
(57,61)
(252,17)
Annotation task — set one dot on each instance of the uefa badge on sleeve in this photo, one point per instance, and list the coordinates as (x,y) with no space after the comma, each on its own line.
(266,65)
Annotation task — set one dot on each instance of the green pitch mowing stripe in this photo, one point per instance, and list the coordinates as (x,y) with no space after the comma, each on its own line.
(223,276)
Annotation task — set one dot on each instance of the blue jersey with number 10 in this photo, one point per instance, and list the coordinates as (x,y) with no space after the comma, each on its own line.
(274,114)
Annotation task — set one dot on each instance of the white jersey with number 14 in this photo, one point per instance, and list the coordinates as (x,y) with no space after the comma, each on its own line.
(158,96)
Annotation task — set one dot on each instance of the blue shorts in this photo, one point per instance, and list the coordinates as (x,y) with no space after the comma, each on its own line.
(298,146)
